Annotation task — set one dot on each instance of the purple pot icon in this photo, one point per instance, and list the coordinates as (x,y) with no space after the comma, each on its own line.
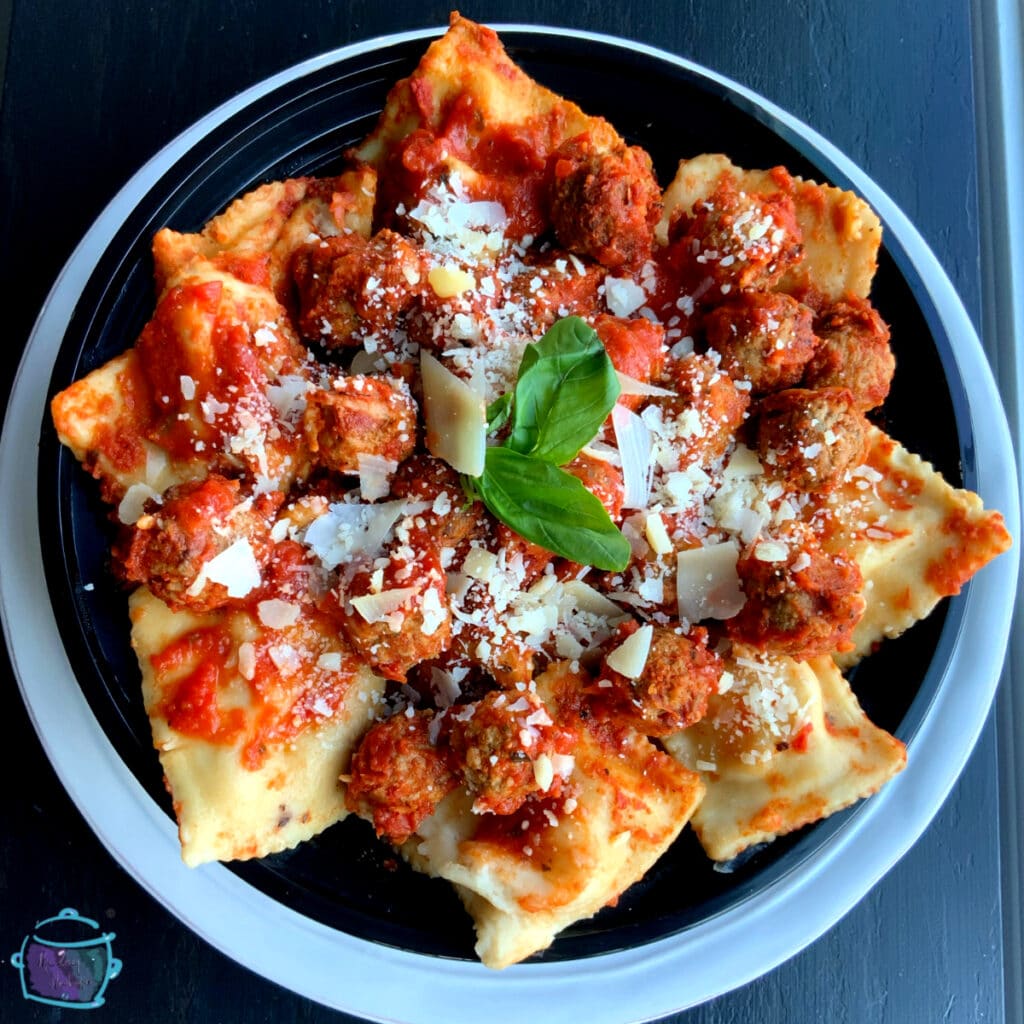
(66,961)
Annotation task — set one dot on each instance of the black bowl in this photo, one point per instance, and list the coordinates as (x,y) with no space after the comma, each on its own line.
(345,878)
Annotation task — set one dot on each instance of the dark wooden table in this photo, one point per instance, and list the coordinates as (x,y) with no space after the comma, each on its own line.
(92,90)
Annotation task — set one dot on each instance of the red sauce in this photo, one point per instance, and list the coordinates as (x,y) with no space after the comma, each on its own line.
(977,541)
(192,707)
(526,828)
(188,337)
(253,270)
(510,159)
(801,740)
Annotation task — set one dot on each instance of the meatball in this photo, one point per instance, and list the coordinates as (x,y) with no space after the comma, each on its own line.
(480,638)
(398,776)
(604,205)
(854,353)
(554,284)
(635,347)
(602,479)
(360,416)
(801,600)
(535,558)
(706,413)
(763,337)
(457,297)
(397,615)
(169,548)
(497,743)
(350,287)
(809,438)
(451,520)
(737,240)
(673,689)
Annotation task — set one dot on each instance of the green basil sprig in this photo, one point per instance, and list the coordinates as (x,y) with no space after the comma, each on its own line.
(565,389)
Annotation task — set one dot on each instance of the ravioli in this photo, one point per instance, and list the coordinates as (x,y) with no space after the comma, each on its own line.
(841,233)
(525,877)
(785,745)
(253,723)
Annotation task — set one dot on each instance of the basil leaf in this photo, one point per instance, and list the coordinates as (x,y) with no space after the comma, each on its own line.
(552,508)
(566,388)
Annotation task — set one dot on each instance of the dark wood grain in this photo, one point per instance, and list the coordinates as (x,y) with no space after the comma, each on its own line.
(92,90)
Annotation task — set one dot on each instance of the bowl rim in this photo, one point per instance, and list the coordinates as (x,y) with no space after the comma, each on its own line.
(339,971)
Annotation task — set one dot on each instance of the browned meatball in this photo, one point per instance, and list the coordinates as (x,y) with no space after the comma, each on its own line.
(398,615)
(854,353)
(496,743)
(360,416)
(451,520)
(398,777)
(802,602)
(737,240)
(809,438)
(349,286)
(535,558)
(168,548)
(602,479)
(720,407)
(604,205)
(673,689)
(553,284)
(763,337)
(479,637)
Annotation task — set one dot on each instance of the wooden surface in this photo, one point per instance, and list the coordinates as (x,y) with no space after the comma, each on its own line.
(92,90)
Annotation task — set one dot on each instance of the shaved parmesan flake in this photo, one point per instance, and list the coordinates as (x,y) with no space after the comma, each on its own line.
(707,583)
(564,764)
(543,772)
(456,418)
(433,612)
(348,530)
(635,447)
(157,464)
(134,502)
(631,386)
(587,599)
(657,535)
(285,658)
(630,657)
(623,295)
(603,452)
(771,551)
(447,282)
(375,473)
(446,687)
(480,564)
(235,568)
(378,607)
(288,397)
(329,661)
(277,614)
(743,464)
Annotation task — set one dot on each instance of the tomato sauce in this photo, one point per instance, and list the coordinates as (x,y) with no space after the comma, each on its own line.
(192,705)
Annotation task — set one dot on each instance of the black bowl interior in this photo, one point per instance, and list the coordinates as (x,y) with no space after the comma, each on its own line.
(345,878)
